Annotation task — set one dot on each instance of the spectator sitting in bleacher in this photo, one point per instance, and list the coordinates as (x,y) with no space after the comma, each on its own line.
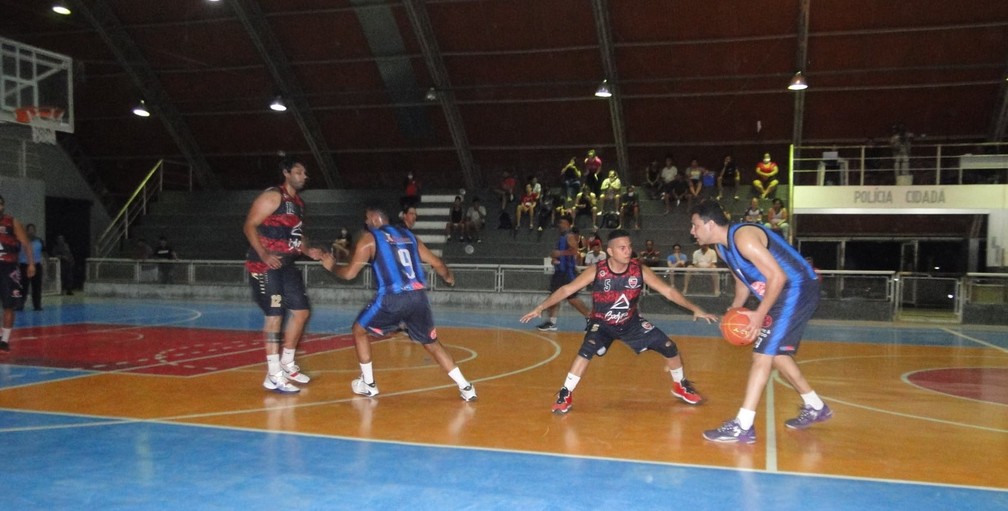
(571,177)
(546,210)
(650,256)
(753,215)
(526,206)
(652,180)
(777,219)
(595,254)
(611,188)
(505,189)
(630,208)
(678,191)
(456,219)
(584,205)
(475,220)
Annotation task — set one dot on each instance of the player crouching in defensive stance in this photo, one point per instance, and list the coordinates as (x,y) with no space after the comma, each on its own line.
(395,255)
(787,287)
(617,283)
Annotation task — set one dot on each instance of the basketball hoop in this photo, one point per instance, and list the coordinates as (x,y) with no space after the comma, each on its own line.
(43,121)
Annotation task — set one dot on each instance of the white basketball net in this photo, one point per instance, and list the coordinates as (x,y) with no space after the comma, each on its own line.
(43,134)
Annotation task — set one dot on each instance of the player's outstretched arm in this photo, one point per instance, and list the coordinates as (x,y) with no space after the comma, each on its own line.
(436,263)
(362,253)
(580,282)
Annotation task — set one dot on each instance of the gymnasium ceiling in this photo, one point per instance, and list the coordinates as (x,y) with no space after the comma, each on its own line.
(513,82)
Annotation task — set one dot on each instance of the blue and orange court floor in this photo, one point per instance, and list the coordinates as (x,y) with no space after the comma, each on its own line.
(159,405)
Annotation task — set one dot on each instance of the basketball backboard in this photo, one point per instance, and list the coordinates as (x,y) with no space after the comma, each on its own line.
(34,80)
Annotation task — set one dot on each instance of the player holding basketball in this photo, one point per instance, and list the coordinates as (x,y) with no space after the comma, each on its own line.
(617,283)
(395,255)
(274,229)
(13,240)
(788,291)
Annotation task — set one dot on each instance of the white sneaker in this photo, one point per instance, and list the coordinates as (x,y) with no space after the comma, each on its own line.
(293,372)
(468,393)
(365,389)
(279,383)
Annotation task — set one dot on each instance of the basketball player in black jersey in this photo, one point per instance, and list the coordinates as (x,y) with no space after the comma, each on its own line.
(617,283)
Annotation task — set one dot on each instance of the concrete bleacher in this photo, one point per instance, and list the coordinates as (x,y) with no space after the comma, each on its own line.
(208,225)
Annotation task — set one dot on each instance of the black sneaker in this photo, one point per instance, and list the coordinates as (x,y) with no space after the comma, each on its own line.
(547,326)
(4,346)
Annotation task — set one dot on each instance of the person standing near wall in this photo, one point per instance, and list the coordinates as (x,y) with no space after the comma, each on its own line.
(61,249)
(165,252)
(13,240)
(37,249)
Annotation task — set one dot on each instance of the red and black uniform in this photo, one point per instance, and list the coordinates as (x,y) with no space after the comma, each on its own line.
(615,314)
(281,234)
(11,287)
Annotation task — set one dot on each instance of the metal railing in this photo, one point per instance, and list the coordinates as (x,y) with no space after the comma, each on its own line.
(926,164)
(118,230)
(885,294)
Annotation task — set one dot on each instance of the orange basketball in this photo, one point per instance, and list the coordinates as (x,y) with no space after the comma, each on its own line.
(733,326)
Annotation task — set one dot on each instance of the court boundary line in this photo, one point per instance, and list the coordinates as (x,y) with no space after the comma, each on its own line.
(974,339)
(771,426)
(532,453)
(893,412)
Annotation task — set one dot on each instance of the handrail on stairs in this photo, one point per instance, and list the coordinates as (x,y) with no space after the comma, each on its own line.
(136,205)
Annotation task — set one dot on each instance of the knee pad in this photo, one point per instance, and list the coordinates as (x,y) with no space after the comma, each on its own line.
(591,348)
(668,349)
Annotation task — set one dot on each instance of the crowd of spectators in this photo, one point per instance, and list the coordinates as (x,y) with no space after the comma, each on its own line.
(596,197)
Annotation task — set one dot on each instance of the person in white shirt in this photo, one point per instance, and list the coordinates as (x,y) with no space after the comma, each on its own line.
(475,220)
(595,254)
(705,257)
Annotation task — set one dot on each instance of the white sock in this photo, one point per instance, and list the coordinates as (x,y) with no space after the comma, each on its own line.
(273,363)
(745,418)
(287,357)
(553,319)
(456,374)
(572,381)
(367,372)
(677,374)
(6,335)
(812,399)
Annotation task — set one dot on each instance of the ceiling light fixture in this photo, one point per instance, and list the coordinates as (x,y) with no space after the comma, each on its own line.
(603,90)
(61,8)
(278,105)
(141,110)
(431,94)
(798,82)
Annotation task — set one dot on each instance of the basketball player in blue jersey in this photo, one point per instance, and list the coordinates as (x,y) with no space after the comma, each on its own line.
(617,283)
(565,260)
(788,291)
(395,255)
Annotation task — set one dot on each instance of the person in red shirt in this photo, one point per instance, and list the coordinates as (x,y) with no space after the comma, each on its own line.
(13,240)
(766,176)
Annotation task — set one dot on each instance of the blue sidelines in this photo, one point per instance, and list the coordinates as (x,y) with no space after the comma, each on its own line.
(167,466)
